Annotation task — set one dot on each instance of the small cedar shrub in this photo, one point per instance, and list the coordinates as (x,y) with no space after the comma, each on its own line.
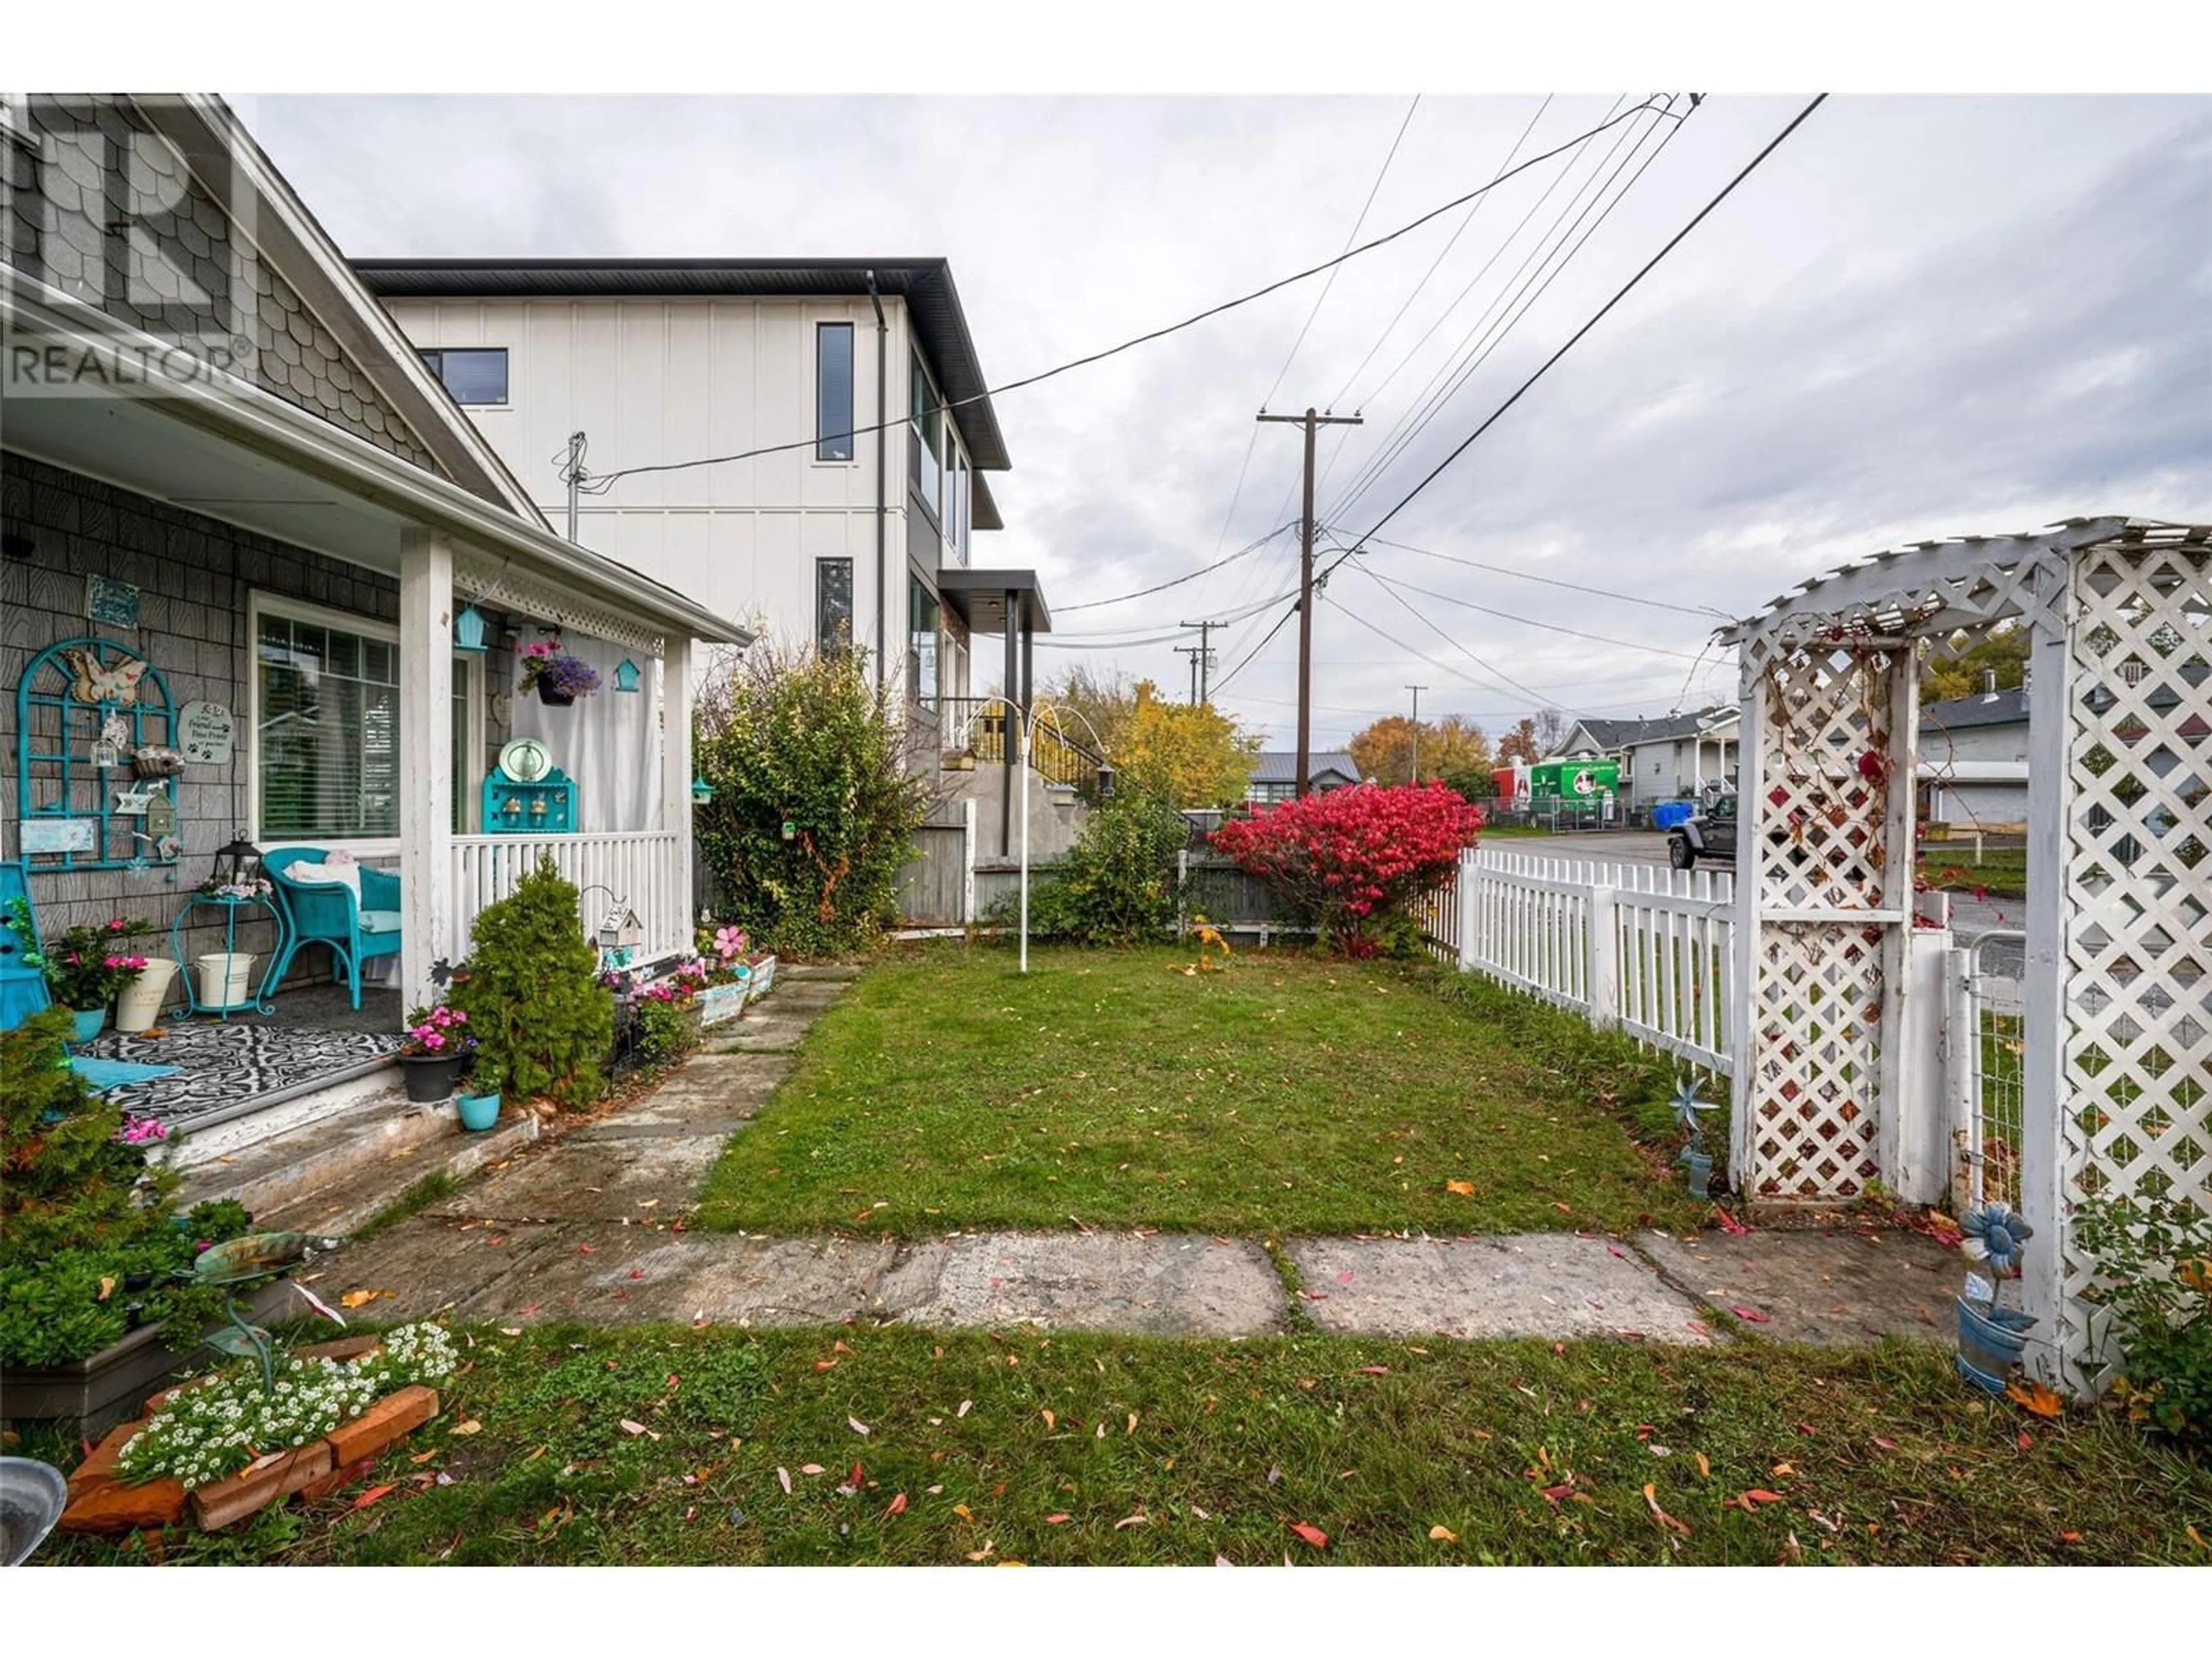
(1353,860)
(542,1020)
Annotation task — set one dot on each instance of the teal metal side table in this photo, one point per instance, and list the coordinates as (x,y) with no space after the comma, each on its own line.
(259,1002)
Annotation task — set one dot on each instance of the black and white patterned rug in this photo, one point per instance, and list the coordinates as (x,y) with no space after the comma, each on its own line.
(230,1068)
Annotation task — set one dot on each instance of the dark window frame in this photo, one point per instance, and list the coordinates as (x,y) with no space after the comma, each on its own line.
(433,359)
(827,640)
(834,438)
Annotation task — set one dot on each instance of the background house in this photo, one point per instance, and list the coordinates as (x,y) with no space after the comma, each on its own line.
(1662,759)
(1973,770)
(1275,774)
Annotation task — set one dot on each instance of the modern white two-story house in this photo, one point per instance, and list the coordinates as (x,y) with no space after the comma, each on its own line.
(804,444)
(828,523)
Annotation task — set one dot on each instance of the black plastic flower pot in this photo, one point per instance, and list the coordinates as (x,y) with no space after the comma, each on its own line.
(431,1077)
(551,698)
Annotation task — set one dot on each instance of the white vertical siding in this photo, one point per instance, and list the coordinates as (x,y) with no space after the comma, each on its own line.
(651,380)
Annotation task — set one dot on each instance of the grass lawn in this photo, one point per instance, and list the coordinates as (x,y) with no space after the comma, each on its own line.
(1951,867)
(1072,1450)
(1283,1094)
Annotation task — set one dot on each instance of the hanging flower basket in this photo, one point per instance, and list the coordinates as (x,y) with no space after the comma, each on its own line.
(558,678)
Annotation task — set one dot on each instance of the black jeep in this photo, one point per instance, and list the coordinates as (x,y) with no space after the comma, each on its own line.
(1709,832)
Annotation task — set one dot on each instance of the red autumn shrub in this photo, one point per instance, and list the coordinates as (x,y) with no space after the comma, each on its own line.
(1353,859)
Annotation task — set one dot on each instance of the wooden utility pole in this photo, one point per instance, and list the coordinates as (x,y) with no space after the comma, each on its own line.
(1194,652)
(1310,420)
(1417,690)
(1201,660)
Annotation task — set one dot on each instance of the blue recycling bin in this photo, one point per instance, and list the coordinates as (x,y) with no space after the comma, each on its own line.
(1669,815)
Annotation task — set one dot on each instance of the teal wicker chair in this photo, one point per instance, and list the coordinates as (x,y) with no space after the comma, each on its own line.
(326,913)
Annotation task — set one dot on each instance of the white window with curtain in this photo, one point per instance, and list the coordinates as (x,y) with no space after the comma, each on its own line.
(324,707)
(324,700)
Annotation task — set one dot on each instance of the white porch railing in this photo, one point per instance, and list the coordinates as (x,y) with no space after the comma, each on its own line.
(1638,947)
(642,869)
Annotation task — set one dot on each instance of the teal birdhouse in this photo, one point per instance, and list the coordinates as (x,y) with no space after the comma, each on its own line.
(626,674)
(469,631)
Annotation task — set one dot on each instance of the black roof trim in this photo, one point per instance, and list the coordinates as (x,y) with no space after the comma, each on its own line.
(978,597)
(925,286)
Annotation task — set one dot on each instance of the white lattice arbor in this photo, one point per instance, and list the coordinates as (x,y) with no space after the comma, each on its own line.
(2118,1063)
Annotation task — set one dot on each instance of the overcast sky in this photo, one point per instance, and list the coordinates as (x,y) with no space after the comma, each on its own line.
(1921,316)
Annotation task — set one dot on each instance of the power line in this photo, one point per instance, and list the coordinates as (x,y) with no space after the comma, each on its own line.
(1675,241)
(1497,254)
(1468,359)
(1529,622)
(1250,443)
(1441,667)
(1552,581)
(1219,685)
(1162,588)
(1407,304)
(1458,646)
(1322,298)
(601,483)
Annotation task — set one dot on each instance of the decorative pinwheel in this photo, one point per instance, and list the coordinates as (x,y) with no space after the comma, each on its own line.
(1994,1234)
(1687,1106)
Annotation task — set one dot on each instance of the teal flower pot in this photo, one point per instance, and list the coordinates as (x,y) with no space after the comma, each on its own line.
(90,1022)
(477,1111)
(1991,1340)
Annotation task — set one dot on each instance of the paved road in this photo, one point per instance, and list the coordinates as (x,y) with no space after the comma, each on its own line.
(1970,917)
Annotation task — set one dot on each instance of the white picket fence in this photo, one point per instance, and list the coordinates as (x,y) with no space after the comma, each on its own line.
(1635,947)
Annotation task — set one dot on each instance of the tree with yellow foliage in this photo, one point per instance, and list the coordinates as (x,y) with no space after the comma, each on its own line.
(1190,755)
(1384,751)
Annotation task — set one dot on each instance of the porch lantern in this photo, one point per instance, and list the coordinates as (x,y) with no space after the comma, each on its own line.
(626,674)
(237,862)
(469,631)
(701,792)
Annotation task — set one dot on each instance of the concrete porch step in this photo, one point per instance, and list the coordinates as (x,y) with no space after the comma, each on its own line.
(295,1156)
(343,1209)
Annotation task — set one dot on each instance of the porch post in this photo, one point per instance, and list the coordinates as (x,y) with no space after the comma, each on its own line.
(426,757)
(676,775)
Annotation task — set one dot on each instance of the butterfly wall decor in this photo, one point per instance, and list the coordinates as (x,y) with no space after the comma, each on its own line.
(118,683)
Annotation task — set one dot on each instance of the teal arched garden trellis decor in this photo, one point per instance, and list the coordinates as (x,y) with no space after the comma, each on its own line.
(67,806)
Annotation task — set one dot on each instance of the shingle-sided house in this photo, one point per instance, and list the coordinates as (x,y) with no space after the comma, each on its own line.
(261,580)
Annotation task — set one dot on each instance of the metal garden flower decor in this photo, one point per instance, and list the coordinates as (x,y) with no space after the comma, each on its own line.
(1991,1337)
(1995,1234)
(1687,1110)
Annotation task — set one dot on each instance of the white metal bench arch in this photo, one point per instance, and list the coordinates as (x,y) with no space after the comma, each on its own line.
(2119,1062)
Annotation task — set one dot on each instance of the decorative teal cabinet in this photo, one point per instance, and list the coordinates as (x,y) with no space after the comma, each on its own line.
(526,794)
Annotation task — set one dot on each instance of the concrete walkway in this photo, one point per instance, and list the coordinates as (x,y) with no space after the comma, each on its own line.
(589,1225)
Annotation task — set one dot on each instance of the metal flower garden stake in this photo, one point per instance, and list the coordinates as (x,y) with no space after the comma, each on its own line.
(238,1262)
(1991,1336)
(1687,1110)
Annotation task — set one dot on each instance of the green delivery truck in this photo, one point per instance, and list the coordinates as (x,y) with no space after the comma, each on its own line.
(1583,792)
